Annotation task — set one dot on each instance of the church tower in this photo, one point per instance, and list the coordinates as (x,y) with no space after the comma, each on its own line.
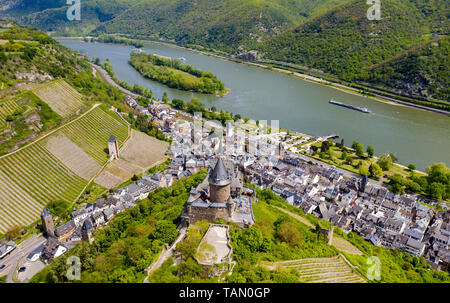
(86,231)
(281,151)
(219,183)
(113,147)
(47,222)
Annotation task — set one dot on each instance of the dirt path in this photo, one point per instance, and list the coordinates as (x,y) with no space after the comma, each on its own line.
(295,216)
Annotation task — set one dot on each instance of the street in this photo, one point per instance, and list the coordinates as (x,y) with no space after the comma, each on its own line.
(19,255)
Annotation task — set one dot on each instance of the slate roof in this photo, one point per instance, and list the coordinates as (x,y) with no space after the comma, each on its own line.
(219,176)
(87,226)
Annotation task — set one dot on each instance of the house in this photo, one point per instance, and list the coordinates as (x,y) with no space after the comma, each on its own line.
(159,180)
(295,200)
(414,247)
(415,233)
(65,231)
(98,219)
(406,203)
(36,253)
(374,239)
(79,216)
(53,249)
(394,226)
(348,197)
(5,249)
(118,209)
(108,214)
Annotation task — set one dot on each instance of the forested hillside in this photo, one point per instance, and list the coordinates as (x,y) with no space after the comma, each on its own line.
(422,71)
(345,43)
(406,52)
(51,15)
(220,24)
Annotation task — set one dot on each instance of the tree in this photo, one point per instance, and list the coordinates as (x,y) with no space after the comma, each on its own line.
(288,232)
(251,238)
(165,231)
(325,146)
(165,97)
(178,104)
(412,166)
(363,170)
(342,142)
(437,190)
(396,184)
(438,172)
(344,155)
(13,232)
(375,170)
(359,148)
(134,178)
(58,207)
(370,151)
(385,162)
(188,247)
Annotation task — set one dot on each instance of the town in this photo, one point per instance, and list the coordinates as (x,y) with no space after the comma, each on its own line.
(234,157)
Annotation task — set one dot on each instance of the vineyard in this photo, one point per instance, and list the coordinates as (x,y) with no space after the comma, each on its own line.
(29,179)
(92,131)
(6,108)
(57,167)
(139,153)
(323,270)
(60,96)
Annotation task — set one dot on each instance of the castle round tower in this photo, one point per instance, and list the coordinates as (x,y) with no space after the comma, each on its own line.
(219,183)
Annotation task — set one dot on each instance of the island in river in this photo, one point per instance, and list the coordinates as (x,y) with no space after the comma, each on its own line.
(174,74)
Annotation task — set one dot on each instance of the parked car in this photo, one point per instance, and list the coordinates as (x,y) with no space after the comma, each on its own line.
(2,266)
(22,269)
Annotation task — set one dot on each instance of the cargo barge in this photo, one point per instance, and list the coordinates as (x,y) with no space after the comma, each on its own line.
(361,109)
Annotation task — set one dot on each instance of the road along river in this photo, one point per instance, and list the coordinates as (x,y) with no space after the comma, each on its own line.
(413,135)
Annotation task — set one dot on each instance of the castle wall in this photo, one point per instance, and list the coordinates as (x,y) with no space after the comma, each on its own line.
(210,214)
(219,194)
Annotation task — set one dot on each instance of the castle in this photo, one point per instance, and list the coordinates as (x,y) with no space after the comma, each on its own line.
(221,196)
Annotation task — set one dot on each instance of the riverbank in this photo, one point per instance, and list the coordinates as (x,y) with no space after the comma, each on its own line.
(297,74)
(310,78)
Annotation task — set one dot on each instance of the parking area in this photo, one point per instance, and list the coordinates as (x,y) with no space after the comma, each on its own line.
(31,268)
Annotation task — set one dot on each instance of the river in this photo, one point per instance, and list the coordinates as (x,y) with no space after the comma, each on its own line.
(413,135)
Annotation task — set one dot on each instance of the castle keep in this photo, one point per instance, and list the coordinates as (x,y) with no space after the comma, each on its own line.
(221,195)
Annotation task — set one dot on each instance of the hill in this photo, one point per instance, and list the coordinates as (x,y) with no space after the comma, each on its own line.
(55,124)
(51,15)
(345,43)
(54,168)
(220,24)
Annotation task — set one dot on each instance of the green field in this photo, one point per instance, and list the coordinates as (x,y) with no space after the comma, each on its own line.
(92,133)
